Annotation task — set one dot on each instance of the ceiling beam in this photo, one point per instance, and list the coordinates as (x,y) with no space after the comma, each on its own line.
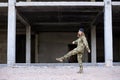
(116,3)
(98,15)
(22,20)
(75,3)
(3,4)
(60,23)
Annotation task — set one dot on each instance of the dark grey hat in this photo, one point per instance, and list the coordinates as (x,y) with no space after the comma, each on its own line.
(81,29)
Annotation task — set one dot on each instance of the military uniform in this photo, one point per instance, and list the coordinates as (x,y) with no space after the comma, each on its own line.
(79,50)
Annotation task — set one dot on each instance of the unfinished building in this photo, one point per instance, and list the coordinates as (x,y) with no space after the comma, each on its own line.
(38,31)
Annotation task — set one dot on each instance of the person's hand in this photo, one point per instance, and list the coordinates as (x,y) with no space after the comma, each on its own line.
(73,42)
(88,51)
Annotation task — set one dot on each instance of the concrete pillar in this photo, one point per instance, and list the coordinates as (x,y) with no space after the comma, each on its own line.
(11,35)
(36,48)
(28,44)
(93,44)
(108,33)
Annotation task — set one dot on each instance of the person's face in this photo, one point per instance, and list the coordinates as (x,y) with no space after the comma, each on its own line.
(79,32)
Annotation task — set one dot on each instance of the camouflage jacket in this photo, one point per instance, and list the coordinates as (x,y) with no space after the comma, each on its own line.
(81,44)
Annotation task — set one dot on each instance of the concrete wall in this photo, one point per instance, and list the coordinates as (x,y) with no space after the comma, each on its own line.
(3,46)
(54,44)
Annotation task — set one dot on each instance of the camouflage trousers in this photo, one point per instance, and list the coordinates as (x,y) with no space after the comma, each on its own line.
(79,57)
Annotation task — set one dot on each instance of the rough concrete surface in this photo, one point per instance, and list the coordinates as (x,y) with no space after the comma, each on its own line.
(59,73)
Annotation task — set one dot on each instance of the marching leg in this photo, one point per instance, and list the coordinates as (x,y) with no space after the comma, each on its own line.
(73,52)
(79,57)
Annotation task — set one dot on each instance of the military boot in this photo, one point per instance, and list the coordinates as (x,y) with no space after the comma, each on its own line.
(81,70)
(59,59)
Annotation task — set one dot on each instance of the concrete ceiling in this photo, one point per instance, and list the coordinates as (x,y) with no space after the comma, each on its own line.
(48,0)
(62,18)
(54,0)
(59,18)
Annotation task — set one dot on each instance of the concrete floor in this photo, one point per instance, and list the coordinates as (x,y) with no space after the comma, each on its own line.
(59,73)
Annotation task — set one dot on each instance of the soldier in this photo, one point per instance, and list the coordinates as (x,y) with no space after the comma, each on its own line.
(79,50)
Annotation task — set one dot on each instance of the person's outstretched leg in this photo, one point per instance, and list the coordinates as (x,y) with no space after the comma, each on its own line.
(73,52)
(79,57)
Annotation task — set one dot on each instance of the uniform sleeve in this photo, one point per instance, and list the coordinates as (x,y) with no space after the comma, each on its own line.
(86,43)
(75,42)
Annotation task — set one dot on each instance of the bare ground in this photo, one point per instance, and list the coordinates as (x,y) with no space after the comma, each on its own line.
(59,73)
